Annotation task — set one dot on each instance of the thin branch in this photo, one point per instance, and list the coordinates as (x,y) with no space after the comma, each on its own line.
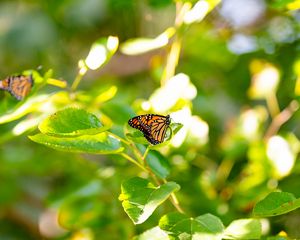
(145,154)
(174,53)
(82,71)
(134,162)
(174,200)
(57,83)
(119,138)
(136,152)
(273,105)
(281,118)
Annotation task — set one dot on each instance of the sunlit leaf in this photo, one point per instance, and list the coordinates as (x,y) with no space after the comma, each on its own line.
(178,88)
(26,125)
(265,79)
(199,11)
(142,45)
(158,164)
(95,144)
(281,156)
(140,197)
(179,226)
(101,51)
(154,234)
(276,203)
(175,127)
(71,122)
(106,95)
(29,105)
(294,5)
(243,229)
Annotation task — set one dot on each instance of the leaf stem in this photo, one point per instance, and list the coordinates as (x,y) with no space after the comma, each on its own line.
(76,82)
(57,83)
(174,200)
(145,154)
(136,152)
(82,71)
(273,105)
(174,53)
(281,118)
(134,162)
(119,138)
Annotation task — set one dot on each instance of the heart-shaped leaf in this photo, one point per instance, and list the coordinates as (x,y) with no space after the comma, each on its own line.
(140,197)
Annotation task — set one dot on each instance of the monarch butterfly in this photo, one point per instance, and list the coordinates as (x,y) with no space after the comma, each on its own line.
(18,86)
(153,126)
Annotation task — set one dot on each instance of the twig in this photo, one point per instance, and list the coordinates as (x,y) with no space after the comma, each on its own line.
(281,118)
(174,200)
(273,105)
(134,162)
(119,138)
(82,71)
(145,154)
(174,54)
(136,152)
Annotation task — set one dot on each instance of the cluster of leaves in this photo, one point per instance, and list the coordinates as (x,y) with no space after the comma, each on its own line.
(242,196)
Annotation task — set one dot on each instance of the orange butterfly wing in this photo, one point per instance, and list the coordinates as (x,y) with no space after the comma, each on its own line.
(153,127)
(20,86)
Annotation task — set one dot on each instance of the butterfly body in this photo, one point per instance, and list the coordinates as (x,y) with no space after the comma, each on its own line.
(18,86)
(153,126)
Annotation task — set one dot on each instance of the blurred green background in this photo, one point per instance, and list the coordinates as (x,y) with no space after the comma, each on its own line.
(239,73)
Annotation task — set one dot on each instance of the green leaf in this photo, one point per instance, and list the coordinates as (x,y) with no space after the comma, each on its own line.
(180,226)
(140,197)
(15,112)
(175,127)
(154,234)
(243,229)
(95,144)
(101,52)
(143,45)
(158,164)
(276,203)
(71,122)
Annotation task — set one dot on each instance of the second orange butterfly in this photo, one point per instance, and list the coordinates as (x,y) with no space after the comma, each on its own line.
(18,86)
